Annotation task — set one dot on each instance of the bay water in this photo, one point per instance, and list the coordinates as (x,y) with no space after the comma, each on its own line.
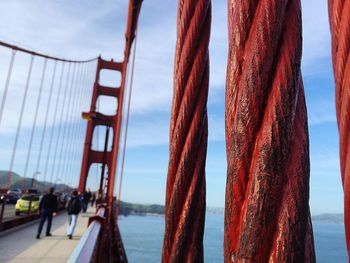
(143,237)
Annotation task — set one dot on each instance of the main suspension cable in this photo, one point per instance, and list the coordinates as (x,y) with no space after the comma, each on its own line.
(37,54)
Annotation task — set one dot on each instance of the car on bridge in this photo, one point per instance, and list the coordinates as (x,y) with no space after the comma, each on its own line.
(13,195)
(27,203)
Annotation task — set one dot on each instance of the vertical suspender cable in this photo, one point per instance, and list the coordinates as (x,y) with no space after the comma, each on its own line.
(69,160)
(98,141)
(60,124)
(66,126)
(48,107)
(126,128)
(78,125)
(19,125)
(83,126)
(7,84)
(34,123)
(52,133)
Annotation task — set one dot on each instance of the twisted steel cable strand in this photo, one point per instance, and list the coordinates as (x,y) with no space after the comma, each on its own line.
(267,215)
(339,17)
(185,191)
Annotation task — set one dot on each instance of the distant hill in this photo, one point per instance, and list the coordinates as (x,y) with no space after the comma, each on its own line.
(138,209)
(141,209)
(17,182)
(329,218)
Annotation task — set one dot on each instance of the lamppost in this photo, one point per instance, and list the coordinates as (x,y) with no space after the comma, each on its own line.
(33,179)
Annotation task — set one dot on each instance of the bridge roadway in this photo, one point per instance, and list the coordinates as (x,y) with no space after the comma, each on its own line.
(20,245)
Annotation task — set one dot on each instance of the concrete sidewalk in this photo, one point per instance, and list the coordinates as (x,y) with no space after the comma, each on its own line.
(22,246)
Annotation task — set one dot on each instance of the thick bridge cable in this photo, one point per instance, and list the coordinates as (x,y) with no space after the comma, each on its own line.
(19,124)
(185,191)
(34,123)
(339,17)
(37,54)
(267,215)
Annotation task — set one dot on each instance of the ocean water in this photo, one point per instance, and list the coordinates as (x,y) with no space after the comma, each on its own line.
(143,237)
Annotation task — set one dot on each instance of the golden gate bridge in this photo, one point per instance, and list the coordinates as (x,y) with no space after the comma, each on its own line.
(267,215)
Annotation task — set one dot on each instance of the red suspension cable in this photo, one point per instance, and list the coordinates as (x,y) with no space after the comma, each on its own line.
(185,191)
(267,215)
(339,17)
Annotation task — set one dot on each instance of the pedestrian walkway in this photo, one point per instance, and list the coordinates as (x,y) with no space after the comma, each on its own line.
(20,245)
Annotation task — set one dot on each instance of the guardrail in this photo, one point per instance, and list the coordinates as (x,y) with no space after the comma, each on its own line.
(87,249)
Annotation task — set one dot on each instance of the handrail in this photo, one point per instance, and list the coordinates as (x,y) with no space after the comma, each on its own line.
(87,247)
(16,48)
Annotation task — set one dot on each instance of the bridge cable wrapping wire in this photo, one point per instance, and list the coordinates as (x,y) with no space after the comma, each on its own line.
(339,17)
(185,191)
(267,215)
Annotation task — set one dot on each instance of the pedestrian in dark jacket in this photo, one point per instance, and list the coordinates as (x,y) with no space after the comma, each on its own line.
(73,208)
(48,207)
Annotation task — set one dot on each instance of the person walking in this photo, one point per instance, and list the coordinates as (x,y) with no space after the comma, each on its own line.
(48,207)
(73,209)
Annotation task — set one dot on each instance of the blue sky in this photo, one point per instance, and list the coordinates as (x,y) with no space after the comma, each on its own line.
(84,29)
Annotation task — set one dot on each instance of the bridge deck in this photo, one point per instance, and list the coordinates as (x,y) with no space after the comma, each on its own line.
(20,245)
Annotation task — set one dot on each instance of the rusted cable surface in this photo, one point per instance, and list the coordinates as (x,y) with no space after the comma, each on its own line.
(339,17)
(267,216)
(185,196)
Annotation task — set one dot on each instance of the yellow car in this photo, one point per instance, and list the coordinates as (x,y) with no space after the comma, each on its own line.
(22,205)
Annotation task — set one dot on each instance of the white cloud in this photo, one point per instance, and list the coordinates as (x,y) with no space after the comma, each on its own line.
(316,35)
